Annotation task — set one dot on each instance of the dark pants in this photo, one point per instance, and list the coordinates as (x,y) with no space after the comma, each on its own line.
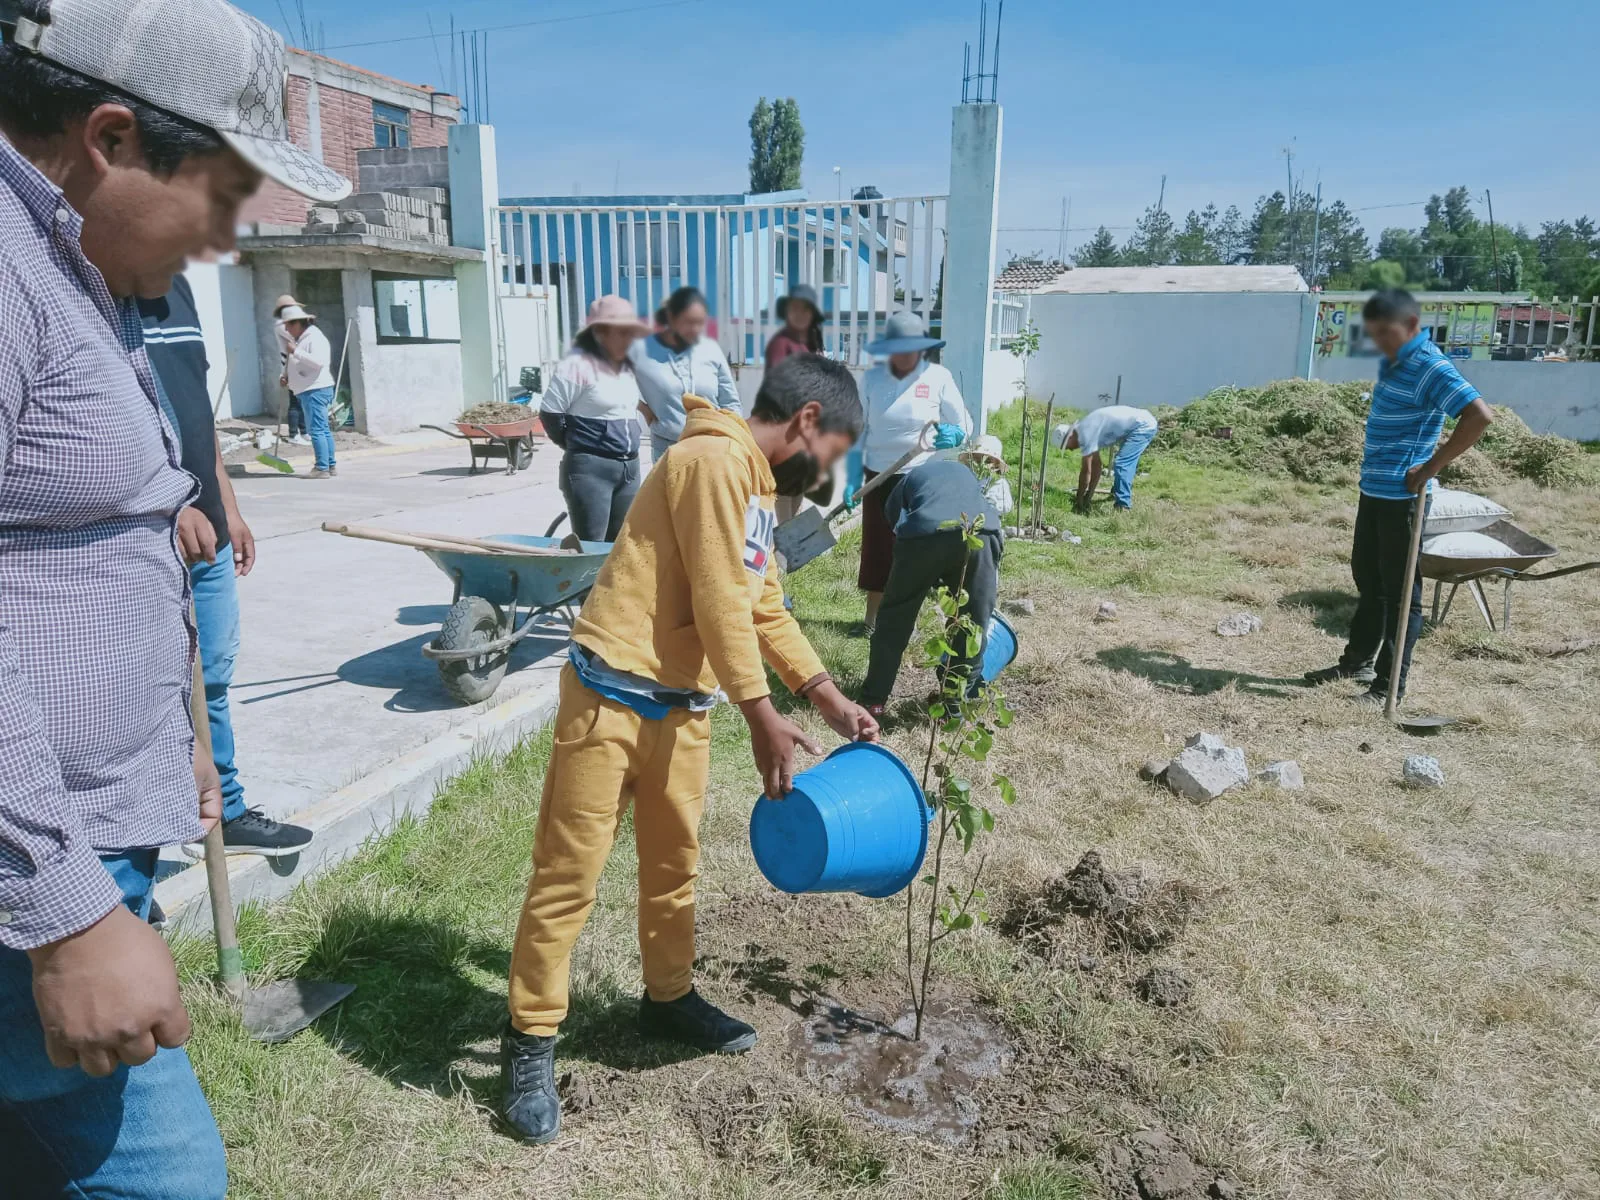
(296,417)
(598,492)
(920,565)
(1378,563)
(877,538)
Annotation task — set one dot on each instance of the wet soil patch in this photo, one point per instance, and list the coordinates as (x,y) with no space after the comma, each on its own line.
(925,1088)
(1124,911)
(1154,1165)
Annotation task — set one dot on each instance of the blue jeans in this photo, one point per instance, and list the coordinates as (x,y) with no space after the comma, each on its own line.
(216,609)
(317,404)
(1126,463)
(141,1133)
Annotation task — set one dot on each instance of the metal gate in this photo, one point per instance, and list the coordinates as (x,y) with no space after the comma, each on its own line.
(866,258)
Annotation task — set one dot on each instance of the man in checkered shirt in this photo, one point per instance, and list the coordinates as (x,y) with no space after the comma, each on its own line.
(130,133)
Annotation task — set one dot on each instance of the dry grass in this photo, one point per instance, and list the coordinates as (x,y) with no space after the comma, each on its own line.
(1397,992)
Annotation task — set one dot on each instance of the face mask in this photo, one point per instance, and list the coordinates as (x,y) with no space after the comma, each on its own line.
(797,474)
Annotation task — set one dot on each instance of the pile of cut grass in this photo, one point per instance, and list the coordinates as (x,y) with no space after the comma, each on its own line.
(1314,431)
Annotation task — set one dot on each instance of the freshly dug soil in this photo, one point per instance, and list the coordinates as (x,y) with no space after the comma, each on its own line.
(1124,910)
(1164,987)
(923,1088)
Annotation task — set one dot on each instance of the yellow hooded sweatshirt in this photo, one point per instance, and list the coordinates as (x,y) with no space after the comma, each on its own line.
(689,595)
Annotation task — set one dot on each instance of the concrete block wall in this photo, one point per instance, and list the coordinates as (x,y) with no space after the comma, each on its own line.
(387,170)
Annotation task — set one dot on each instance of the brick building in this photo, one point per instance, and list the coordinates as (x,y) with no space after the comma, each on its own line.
(336,109)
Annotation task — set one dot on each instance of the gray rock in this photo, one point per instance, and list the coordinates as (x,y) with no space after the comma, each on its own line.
(1088,963)
(1205,768)
(1423,771)
(1022,607)
(1154,769)
(1286,775)
(1107,611)
(1241,624)
(1071,538)
(1223,1188)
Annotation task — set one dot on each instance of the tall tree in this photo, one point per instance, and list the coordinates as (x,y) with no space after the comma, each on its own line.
(1099,251)
(1151,243)
(1266,237)
(777,145)
(1196,244)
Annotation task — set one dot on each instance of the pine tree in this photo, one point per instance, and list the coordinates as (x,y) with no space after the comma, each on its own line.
(1099,251)
(1151,243)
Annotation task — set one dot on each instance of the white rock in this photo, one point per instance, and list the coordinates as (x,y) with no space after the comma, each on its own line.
(265,438)
(1071,538)
(1286,775)
(1239,625)
(1206,767)
(1423,771)
(1022,607)
(1107,611)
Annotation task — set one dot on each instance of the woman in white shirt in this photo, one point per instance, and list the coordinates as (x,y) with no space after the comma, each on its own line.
(901,396)
(307,355)
(591,410)
(677,361)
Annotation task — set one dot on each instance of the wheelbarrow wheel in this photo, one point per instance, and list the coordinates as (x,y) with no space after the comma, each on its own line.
(471,621)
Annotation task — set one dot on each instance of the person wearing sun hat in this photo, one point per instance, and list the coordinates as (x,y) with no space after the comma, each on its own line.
(801,313)
(591,411)
(986,457)
(308,372)
(901,395)
(294,415)
(131,132)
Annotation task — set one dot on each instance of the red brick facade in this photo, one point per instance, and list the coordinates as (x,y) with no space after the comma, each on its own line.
(346,128)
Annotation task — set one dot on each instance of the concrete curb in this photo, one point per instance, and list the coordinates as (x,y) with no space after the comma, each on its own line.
(346,820)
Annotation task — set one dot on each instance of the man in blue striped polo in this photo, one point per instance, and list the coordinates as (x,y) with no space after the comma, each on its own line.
(1418,389)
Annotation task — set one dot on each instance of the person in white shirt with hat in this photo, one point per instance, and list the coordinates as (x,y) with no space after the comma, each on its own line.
(901,395)
(306,372)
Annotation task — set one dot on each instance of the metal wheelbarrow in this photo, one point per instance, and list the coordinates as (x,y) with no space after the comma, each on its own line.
(513,441)
(505,588)
(1523,551)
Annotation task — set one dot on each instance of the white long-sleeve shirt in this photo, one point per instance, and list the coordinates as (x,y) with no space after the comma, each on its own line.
(307,364)
(898,409)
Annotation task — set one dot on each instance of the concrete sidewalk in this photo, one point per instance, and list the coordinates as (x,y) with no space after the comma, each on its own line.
(338,719)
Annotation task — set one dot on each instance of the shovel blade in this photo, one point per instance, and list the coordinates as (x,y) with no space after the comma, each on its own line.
(803,538)
(1425,724)
(275,1012)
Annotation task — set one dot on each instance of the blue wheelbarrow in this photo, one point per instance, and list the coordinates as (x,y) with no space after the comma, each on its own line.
(506,587)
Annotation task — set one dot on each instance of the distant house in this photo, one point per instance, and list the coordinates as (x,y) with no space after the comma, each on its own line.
(1155,335)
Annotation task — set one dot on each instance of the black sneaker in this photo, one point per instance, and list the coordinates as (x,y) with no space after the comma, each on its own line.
(253,832)
(528,1070)
(1340,671)
(695,1020)
(158,917)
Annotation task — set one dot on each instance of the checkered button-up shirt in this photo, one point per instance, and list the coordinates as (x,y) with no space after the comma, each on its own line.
(96,747)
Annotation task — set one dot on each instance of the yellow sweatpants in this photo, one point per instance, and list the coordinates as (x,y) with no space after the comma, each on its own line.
(606,756)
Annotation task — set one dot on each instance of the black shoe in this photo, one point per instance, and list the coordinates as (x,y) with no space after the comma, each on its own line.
(158,917)
(253,832)
(694,1020)
(528,1070)
(1340,671)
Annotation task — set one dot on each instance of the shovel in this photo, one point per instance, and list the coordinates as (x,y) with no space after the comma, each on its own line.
(274,1012)
(1423,724)
(810,535)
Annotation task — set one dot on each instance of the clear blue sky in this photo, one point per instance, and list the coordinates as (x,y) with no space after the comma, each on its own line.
(1101,100)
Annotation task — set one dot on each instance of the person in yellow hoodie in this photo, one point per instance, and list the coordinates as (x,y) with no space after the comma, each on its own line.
(688,603)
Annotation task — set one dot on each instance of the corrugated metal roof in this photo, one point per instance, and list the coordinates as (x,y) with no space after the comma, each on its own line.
(1095,280)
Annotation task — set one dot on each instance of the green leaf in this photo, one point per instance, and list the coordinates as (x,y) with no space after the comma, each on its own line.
(1008,791)
(988,817)
(964,920)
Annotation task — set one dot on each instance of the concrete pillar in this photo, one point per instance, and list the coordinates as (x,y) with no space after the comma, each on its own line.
(474,191)
(973,221)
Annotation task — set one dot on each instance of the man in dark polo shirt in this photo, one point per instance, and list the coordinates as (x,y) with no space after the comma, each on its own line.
(218,547)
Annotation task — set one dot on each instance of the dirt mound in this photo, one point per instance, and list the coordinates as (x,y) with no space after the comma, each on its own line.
(1164,987)
(1124,911)
(1316,431)
(1153,1165)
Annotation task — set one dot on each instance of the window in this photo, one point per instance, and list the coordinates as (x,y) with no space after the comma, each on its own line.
(644,255)
(391,125)
(414,309)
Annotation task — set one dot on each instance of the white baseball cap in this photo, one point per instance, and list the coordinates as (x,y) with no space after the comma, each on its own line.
(202,60)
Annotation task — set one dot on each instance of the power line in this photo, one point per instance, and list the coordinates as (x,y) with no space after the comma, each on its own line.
(610,12)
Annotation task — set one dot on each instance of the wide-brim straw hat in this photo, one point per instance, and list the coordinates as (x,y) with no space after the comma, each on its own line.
(618,313)
(904,333)
(989,448)
(293,312)
(283,302)
(806,294)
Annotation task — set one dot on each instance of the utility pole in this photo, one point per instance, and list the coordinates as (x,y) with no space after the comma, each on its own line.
(1161,200)
(1066,223)
(1494,244)
(1316,235)
(1288,201)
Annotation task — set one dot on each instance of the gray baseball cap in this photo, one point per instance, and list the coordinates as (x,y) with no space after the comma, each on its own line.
(202,60)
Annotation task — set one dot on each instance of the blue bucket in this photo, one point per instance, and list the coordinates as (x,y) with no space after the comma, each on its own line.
(855,822)
(999,648)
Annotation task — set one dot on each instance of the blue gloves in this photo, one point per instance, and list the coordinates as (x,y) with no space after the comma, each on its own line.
(947,437)
(851,500)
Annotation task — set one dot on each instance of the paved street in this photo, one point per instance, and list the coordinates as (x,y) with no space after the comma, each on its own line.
(330,682)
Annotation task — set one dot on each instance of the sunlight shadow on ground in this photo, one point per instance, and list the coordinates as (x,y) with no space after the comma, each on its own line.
(1178,674)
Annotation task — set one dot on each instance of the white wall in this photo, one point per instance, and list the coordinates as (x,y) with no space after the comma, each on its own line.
(1560,398)
(395,388)
(1168,348)
(224,301)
